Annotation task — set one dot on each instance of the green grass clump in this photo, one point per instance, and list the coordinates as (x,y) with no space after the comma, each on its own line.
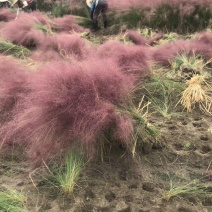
(45,29)
(143,131)
(132,18)
(12,201)
(198,19)
(60,10)
(166,17)
(195,187)
(9,48)
(163,93)
(64,177)
(185,66)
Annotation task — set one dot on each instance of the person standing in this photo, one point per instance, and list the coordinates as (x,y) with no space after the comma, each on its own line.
(5,4)
(26,5)
(98,7)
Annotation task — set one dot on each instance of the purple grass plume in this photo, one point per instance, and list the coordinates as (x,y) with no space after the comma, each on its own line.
(133,60)
(66,24)
(70,103)
(24,30)
(164,53)
(13,89)
(137,39)
(6,15)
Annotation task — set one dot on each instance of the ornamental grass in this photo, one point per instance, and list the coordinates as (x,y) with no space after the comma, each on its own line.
(13,88)
(9,48)
(6,15)
(66,104)
(12,200)
(66,24)
(164,53)
(198,91)
(133,60)
(23,31)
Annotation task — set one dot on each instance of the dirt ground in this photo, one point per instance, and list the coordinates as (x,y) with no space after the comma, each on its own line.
(118,184)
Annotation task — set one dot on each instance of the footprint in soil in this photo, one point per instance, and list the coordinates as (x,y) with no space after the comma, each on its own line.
(124,175)
(204,138)
(184,122)
(122,206)
(197,125)
(150,187)
(207,201)
(110,196)
(133,186)
(205,149)
(128,198)
(89,195)
(185,209)
(197,118)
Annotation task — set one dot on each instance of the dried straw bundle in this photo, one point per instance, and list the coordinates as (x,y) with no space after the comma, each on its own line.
(198,91)
(9,48)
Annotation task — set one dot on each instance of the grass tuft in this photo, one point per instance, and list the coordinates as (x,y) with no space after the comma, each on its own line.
(195,187)
(188,65)
(65,177)
(162,95)
(198,91)
(142,131)
(12,201)
(9,48)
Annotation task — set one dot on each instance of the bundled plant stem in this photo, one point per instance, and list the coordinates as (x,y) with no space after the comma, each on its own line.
(198,91)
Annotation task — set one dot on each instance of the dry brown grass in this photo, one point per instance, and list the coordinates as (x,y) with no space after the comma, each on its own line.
(198,91)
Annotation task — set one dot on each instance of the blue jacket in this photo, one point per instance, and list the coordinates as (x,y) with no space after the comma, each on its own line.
(93,5)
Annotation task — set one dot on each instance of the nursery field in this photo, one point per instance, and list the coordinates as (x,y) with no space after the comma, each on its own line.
(176,177)
(118,120)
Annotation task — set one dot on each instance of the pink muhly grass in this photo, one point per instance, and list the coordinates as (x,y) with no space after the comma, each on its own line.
(155,38)
(124,129)
(68,45)
(22,31)
(205,37)
(69,103)
(126,4)
(46,55)
(137,39)
(6,15)
(13,81)
(62,46)
(40,17)
(66,24)
(133,60)
(204,44)
(164,53)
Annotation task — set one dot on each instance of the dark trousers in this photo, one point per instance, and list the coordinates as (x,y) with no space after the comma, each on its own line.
(101,8)
(30,7)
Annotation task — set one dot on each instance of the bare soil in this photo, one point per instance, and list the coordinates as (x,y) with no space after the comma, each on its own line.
(119,184)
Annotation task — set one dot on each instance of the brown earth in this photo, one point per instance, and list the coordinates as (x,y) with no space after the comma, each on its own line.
(119,184)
